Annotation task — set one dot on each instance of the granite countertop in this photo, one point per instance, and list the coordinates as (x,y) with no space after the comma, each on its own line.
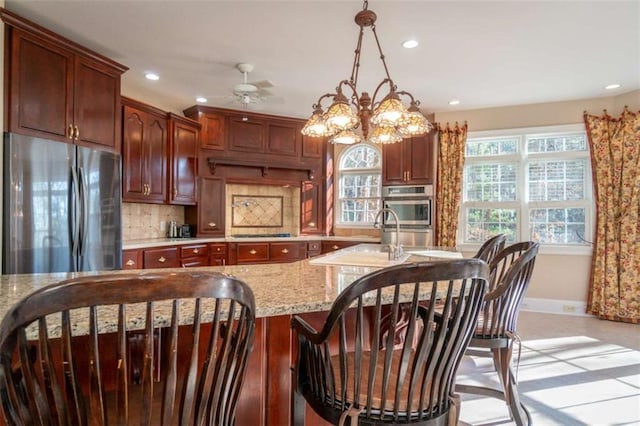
(161,242)
(279,288)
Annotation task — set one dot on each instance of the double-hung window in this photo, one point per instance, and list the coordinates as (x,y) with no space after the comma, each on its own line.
(359,185)
(530,184)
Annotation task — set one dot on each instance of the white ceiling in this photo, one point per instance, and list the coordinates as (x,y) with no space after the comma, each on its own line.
(483,53)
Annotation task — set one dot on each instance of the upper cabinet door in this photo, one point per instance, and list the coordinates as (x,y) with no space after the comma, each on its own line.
(283,137)
(144,153)
(96,104)
(134,178)
(155,144)
(420,159)
(41,88)
(246,135)
(393,168)
(183,144)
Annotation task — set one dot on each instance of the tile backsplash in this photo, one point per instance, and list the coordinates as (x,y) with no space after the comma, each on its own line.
(142,221)
(262,209)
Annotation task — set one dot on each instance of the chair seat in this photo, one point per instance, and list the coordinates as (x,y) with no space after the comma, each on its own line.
(376,394)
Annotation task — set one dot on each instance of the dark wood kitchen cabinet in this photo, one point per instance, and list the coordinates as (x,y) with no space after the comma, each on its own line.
(132,259)
(162,257)
(57,89)
(192,255)
(311,206)
(246,134)
(144,153)
(251,253)
(287,251)
(409,161)
(210,211)
(217,254)
(184,136)
(332,245)
(283,137)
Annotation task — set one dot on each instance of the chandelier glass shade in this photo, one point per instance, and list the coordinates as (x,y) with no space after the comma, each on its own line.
(351,120)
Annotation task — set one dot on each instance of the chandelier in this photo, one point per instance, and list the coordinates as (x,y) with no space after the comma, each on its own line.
(360,117)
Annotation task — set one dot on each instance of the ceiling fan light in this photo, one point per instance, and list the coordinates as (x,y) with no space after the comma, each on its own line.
(346,137)
(390,112)
(340,116)
(385,135)
(414,124)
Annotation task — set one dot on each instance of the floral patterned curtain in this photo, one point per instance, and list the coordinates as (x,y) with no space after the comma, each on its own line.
(614,291)
(449,183)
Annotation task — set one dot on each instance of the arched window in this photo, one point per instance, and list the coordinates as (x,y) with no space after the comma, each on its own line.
(359,185)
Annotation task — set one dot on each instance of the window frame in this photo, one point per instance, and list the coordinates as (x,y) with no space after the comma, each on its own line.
(339,173)
(521,204)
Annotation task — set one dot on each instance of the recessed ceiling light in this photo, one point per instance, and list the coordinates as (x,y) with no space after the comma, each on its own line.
(201,99)
(612,86)
(454,102)
(410,44)
(152,76)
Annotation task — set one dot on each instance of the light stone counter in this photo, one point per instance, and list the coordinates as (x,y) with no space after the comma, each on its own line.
(279,288)
(162,242)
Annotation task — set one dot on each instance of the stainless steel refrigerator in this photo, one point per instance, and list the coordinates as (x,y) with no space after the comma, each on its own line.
(61,207)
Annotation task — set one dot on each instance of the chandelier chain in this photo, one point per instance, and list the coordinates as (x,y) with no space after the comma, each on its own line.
(356,60)
(375,35)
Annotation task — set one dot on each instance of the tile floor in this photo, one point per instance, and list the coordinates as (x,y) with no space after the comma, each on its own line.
(573,371)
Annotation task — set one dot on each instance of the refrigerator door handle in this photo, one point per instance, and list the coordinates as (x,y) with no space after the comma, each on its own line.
(75,214)
(84,211)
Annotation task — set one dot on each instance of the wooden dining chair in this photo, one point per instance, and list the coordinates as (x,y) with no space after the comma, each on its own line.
(491,247)
(496,332)
(65,357)
(349,371)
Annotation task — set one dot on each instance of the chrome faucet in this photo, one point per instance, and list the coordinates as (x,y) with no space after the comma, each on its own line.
(395,251)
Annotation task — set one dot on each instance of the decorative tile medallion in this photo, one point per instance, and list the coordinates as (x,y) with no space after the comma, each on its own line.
(261,211)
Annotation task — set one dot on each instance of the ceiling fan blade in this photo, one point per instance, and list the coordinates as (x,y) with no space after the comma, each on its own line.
(262,84)
(264,93)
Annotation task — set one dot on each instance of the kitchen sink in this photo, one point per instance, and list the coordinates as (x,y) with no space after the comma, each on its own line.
(379,259)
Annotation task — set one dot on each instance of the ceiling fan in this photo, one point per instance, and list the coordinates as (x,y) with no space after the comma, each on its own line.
(251,92)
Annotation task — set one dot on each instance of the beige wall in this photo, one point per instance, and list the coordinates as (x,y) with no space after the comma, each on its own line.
(549,114)
(555,276)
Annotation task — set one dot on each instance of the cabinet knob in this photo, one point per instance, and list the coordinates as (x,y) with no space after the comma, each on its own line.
(70,131)
(77,133)
(212,224)
(130,262)
(162,259)
(218,249)
(196,251)
(335,247)
(285,251)
(312,224)
(253,251)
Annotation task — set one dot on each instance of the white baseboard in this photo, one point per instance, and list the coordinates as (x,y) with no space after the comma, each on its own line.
(554,306)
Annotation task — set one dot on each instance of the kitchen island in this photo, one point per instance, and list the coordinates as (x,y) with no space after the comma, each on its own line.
(281,290)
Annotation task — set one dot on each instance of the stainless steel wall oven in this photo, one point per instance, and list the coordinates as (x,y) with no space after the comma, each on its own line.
(414,207)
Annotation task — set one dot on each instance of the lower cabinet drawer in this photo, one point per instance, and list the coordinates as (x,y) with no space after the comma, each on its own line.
(286,252)
(132,259)
(194,250)
(329,246)
(192,262)
(313,248)
(252,252)
(166,257)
